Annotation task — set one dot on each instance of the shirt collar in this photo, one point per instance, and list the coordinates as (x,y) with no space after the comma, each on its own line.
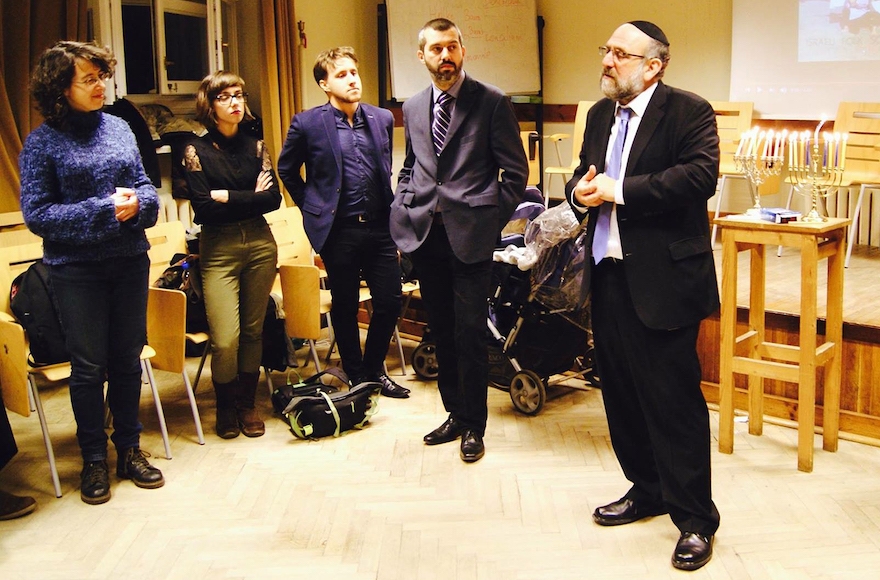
(640,104)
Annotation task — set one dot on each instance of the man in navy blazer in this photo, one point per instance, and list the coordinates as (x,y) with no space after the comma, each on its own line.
(459,185)
(345,146)
(652,281)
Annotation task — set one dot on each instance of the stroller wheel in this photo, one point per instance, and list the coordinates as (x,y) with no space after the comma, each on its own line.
(424,361)
(527,392)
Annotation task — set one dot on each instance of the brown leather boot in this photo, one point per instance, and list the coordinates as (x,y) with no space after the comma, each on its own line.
(248,417)
(227,421)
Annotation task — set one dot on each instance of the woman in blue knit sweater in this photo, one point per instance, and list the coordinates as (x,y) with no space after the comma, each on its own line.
(84,191)
(232,184)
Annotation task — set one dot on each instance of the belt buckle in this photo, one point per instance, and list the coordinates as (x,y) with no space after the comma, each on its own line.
(362,218)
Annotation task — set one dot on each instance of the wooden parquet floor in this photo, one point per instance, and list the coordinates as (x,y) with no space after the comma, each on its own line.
(379,504)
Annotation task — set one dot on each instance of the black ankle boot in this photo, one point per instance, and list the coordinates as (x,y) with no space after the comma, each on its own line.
(247,415)
(132,464)
(227,419)
(95,482)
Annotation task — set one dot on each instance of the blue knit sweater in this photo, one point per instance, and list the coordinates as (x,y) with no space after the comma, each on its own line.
(67,178)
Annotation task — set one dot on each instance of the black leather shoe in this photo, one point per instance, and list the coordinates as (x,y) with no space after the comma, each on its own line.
(132,464)
(95,482)
(692,551)
(392,389)
(448,431)
(624,511)
(472,448)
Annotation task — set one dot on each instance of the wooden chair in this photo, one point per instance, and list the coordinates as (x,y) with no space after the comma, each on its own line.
(861,121)
(20,379)
(167,239)
(305,303)
(166,334)
(577,141)
(287,228)
(733,119)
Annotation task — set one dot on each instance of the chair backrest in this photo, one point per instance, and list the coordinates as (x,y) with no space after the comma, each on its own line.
(13,367)
(301,296)
(287,228)
(577,135)
(166,239)
(11,220)
(733,118)
(861,121)
(166,328)
(530,144)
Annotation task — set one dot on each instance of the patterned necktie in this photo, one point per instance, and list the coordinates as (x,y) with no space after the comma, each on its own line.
(603,224)
(441,120)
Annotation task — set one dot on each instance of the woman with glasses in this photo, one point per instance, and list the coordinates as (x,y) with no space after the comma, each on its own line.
(232,184)
(84,191)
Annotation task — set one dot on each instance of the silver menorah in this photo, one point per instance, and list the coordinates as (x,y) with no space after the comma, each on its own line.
(759,156)
(815,166)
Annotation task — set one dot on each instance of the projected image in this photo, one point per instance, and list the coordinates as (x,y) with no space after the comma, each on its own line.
(838,30)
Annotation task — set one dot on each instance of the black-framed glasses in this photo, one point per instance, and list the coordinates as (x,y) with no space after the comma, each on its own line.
(226,98)
(91,81)
(617,54)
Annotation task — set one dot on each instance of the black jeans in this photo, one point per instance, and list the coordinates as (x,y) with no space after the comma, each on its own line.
(103,308)
(456,297)
(353,250)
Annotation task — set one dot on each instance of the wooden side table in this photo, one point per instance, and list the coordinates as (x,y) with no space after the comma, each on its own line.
(750,353)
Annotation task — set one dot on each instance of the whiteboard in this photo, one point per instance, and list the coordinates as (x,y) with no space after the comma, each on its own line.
(500,39)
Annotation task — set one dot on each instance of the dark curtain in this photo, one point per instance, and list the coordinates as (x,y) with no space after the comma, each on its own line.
(27,28)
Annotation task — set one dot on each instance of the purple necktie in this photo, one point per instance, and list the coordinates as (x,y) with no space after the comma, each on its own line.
(441,120)
(603,224)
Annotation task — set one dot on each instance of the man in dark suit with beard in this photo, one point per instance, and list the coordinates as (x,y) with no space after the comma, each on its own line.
(648,165)
(464,173)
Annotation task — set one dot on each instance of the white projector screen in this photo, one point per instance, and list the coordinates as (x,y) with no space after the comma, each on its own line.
(797,59)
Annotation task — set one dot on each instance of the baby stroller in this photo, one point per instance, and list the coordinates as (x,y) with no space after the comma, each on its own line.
(539,314)
(538,319)
(424,356)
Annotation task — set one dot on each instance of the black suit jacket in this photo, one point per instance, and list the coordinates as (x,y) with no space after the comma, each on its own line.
(482,142)
(671,172)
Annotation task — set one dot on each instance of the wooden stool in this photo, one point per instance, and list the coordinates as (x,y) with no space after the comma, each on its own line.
(750,354)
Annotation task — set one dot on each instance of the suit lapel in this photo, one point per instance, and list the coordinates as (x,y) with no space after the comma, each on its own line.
(653,115)
(463,105)
(329,119)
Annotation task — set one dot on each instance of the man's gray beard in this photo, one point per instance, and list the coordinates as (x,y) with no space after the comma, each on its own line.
(625,90)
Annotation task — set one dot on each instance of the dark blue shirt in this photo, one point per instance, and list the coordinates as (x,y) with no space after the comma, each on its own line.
(360,171)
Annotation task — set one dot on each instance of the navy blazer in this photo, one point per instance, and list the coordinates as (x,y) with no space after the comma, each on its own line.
(477,180)
(671,172)
(313,141)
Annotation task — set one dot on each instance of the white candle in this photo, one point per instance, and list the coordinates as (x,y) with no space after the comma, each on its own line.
(818,127)
(753,141)
(768,141)
(739,147)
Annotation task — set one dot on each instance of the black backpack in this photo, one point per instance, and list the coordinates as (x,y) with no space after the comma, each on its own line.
(34,305)
(279,352)
(184,274)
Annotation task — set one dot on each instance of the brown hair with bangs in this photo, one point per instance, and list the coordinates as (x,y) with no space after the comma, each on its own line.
(212,85)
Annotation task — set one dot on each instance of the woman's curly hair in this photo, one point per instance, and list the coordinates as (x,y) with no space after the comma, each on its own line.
(54,74)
